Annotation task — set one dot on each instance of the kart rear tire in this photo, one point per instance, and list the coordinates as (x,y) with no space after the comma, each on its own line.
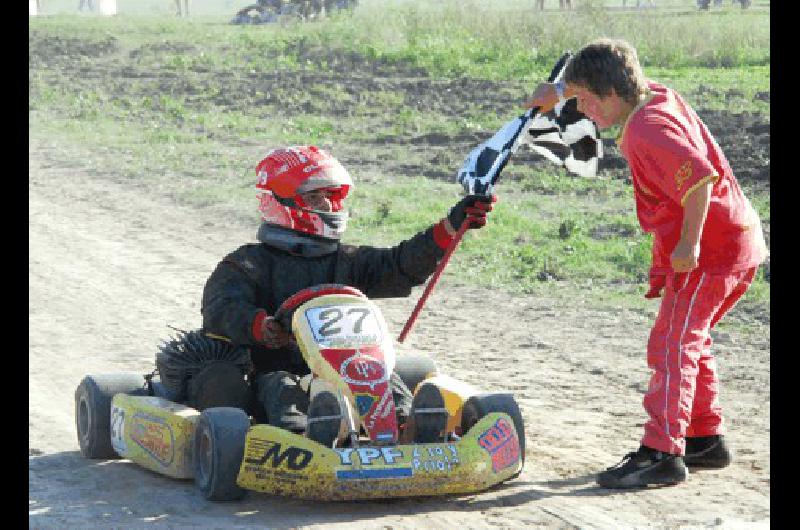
(93,410)
(413,369)
(218,452)
(479,405)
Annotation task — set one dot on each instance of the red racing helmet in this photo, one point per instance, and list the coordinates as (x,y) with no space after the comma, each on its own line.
(286,173)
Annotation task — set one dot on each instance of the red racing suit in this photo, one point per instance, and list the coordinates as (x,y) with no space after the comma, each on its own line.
(671,153)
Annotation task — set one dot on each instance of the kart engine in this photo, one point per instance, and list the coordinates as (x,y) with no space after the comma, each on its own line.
(203,371)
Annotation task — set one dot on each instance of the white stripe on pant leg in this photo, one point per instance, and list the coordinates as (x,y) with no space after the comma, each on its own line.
(680,341)
(666,362)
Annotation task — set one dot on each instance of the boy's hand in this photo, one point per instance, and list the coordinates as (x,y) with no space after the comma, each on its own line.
(685,256)
(544,97)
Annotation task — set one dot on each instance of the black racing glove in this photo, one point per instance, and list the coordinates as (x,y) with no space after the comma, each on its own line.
(473,209)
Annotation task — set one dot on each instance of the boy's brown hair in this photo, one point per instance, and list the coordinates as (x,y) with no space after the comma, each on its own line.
(604,64)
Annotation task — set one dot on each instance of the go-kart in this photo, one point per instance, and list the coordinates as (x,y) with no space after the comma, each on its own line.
(457,440)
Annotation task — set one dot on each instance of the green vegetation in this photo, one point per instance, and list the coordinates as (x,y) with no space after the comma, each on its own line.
(400,91)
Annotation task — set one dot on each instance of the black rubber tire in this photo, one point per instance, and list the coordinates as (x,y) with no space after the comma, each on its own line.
(218,452)
(413,369)
(93,410)
(479,405)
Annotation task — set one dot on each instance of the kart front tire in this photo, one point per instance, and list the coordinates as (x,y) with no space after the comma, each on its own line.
(479,405)
(413,369)
(93,410)
(218,452)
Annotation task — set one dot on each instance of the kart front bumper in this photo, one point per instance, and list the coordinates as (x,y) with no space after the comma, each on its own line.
(279,462)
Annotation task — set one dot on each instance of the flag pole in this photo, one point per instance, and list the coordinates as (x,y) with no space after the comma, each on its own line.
(497,167)
(435,278)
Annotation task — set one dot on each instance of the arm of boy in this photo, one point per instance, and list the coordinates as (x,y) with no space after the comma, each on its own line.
(685,256)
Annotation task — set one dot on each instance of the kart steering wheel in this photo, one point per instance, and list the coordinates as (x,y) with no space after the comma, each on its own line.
(284,313)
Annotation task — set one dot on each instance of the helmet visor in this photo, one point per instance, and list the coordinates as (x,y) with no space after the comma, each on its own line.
(328,199)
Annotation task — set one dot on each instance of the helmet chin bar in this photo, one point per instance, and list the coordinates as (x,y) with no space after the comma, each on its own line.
(295,243)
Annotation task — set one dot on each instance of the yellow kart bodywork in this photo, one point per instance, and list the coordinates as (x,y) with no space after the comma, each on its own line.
(159,434)
(155,433)
(282,463)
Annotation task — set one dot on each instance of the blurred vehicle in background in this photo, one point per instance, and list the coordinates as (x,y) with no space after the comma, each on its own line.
(704,4)
(268,11)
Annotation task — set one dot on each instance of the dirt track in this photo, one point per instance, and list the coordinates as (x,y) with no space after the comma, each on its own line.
(111,266)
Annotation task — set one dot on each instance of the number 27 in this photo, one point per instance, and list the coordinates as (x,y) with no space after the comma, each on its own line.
(334,315)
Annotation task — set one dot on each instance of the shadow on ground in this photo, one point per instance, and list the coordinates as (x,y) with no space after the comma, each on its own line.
(66,486)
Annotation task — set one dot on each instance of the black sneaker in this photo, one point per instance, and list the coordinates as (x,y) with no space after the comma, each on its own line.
(645,467)
(324,418)
(707,451)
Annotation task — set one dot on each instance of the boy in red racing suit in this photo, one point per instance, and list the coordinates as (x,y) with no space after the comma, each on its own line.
(301,193)
(707,246)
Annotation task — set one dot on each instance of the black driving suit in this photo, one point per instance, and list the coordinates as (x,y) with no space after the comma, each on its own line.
(258,276)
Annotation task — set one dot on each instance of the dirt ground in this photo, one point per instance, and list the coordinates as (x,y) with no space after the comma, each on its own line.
(111,266)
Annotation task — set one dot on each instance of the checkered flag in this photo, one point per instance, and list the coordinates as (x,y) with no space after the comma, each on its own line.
(563,135)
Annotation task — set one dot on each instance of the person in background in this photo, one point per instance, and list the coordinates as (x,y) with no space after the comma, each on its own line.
(182,8)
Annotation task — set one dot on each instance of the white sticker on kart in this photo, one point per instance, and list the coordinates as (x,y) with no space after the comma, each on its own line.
(347,325)
(118,430)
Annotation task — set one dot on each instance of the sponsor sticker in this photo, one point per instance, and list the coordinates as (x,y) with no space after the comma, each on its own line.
(364,403)
(360,474)
(362,369)
(385,436)
(118,430)
(155,436)
(499,441)
(262,452)
(434,458)
(374,457)
(369,455)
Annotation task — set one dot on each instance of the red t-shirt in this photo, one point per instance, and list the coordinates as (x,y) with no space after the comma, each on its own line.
(671,153)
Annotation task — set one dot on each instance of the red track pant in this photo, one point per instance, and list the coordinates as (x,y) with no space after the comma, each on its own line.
(682,399)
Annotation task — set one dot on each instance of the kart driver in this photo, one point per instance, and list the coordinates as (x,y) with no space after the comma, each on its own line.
(302,190)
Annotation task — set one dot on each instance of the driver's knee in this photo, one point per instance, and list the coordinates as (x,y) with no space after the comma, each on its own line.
(218,384)
(283,400)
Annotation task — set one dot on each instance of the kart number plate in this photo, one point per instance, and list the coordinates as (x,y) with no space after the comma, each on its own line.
(344,325)
(118,430)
